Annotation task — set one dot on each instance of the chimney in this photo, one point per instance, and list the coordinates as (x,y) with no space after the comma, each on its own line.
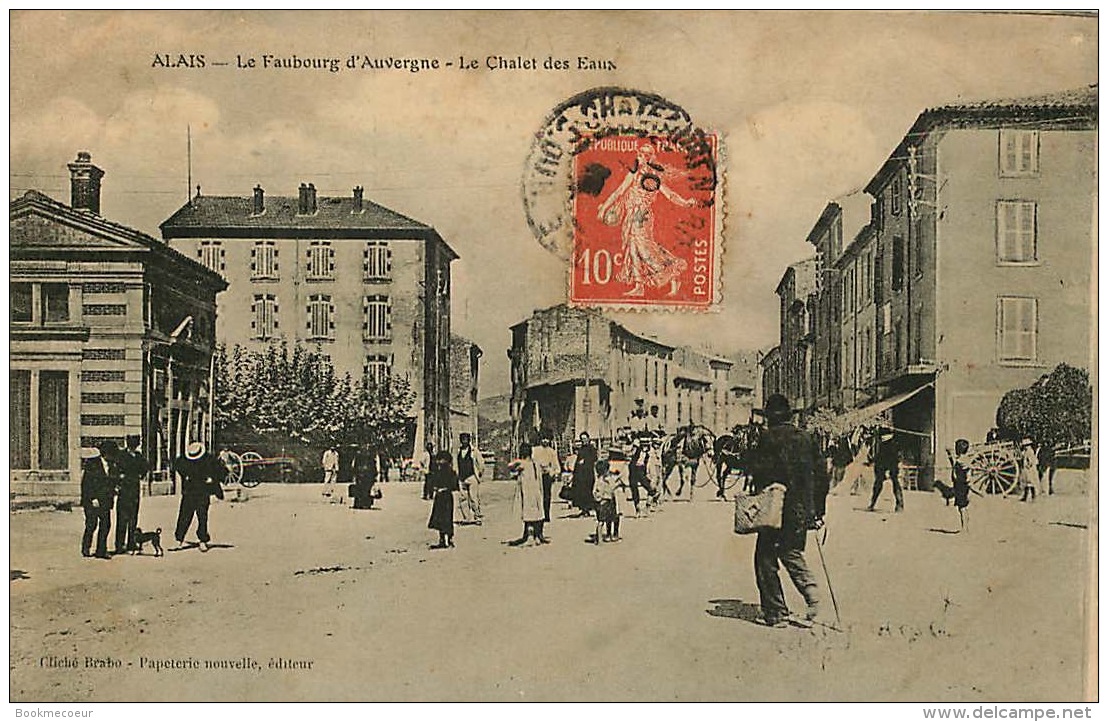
(358,192)
(84,183)
(259,200)
(311,199)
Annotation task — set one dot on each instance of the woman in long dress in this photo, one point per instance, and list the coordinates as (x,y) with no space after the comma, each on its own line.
(443,482)
(631,206)
(529,495)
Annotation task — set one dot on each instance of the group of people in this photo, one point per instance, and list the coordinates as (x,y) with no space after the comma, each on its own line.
(448,479)
(113,475)
(366,466)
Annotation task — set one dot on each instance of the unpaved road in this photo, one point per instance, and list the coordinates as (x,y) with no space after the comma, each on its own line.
(353,606)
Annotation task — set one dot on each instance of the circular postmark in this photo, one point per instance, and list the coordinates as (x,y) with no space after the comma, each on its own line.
(623,186)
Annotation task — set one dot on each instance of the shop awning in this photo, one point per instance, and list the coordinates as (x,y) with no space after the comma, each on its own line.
(847,422)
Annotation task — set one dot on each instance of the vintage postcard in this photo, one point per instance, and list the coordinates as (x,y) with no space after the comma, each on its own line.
(554,356)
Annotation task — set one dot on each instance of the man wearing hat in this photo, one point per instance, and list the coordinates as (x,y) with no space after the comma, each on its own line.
(97,490)
(132,469)
(886,462)
(789,456)
(201,475)
(547,458)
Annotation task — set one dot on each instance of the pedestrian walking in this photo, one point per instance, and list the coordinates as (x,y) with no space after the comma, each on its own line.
(584,475)
(443,481)
(201,477)
(97,492)
(529,496)
(608,484)
(550,467)
(789,456)
(365,478)
(132,470)
(638,464)
(471,469)
(330,464)
(841,457)
(426,458)
(1029,469)
(886,462)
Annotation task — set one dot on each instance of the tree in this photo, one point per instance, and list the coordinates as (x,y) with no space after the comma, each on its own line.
(295,392)
(1057,409)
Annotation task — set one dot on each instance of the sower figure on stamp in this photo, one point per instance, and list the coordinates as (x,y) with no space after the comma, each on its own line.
(645,261)
(201,476)
(789,456)
(97,491)
(132,470)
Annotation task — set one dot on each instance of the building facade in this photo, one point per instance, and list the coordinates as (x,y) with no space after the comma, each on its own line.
(112,334)
(974,273)
(465,371)
(796,294)
(369,286)
(575,370)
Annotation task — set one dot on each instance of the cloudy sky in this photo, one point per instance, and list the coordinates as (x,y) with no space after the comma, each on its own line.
(809,104)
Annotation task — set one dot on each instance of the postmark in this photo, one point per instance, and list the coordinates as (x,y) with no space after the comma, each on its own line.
(626,189)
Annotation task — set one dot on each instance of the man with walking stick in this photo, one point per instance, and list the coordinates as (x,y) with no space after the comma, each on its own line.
(788,456)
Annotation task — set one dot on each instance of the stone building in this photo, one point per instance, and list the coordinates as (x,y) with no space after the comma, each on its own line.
(465,368)
(576,370)
(369,286)
(111,334)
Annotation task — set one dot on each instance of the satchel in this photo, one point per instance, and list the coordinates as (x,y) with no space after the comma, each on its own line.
(566,492)
(759,512)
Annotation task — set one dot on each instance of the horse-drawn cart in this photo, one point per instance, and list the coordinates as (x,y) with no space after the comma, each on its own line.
(994,467)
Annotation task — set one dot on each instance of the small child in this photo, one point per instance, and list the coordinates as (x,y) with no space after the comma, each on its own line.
(959,475)
(604,493)
(1029,469)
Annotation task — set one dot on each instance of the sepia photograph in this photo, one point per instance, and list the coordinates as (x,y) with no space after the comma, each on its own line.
(554,356)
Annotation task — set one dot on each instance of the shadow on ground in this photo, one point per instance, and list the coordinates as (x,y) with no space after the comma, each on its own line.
(734,609)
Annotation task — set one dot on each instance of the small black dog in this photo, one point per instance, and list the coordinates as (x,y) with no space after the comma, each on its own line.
(154,537)
(946,491)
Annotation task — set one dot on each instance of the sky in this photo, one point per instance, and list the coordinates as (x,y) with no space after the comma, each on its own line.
(808,104)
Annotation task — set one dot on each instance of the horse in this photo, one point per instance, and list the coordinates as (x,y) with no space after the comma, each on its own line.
(691,442)
(731,452)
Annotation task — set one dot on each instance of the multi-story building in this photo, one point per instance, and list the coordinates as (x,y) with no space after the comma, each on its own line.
(857,319)
(773,374)
(111,333)
(465,367)
(576,370)
(984,222)
(369,286)
(796,292)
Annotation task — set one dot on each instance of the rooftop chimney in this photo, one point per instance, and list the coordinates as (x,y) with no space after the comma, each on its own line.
(302,208)
(358,206)
(259,200)
(84,183)
(311,199)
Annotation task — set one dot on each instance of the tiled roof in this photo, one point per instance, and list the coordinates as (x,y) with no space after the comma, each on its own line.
(1084,97)
(34,201)
(335,213)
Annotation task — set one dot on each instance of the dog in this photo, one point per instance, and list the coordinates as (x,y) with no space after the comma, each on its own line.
(154,537)
(946,491)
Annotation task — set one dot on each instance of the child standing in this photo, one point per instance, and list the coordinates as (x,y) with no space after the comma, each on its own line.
(959,475)
(1029,469)
(443,482)
(604,493)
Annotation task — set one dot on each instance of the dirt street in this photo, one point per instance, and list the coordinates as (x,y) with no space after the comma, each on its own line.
(301,600)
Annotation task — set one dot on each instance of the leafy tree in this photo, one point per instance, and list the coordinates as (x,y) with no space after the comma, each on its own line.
(296,393)
(1056,409)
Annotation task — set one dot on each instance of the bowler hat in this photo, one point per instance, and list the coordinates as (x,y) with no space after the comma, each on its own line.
(777,408)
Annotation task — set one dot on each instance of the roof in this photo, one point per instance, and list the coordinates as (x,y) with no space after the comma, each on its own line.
(35,202)
(335,217)
(1075,109)
(860,239)
(805,274)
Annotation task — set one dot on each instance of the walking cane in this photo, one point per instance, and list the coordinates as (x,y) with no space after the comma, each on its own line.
(827,575)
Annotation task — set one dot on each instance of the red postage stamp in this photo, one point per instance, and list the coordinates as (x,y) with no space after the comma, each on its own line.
(644,222)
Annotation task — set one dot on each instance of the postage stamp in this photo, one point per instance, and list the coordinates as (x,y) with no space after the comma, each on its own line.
(644,223)
(624,187)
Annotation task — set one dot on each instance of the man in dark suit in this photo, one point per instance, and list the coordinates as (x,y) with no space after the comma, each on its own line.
(97,492)
(201,476)
(132,470)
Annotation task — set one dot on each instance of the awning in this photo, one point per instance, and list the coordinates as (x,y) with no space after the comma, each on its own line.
(847,422)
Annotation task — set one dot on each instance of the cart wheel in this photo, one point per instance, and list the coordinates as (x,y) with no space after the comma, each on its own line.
(233,462)
(250,458)
(994,471)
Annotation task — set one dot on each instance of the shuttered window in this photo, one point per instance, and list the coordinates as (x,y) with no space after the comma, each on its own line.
(1016,237)
(1017,325)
